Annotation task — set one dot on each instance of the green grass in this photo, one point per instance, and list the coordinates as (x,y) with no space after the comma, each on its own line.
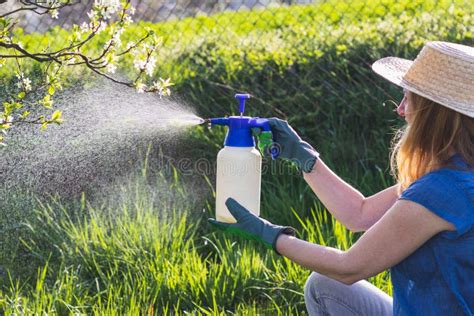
(146,248)
(148,256)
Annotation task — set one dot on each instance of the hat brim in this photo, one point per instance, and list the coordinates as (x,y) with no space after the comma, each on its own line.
(392,68)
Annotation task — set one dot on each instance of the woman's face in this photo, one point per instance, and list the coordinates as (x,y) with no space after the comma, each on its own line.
(403,108)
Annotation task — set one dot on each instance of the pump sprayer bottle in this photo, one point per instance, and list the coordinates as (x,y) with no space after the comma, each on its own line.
(239,163)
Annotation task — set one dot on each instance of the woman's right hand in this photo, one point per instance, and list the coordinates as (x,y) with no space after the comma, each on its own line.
(290,145)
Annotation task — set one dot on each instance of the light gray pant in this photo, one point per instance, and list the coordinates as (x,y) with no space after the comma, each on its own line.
(326,296)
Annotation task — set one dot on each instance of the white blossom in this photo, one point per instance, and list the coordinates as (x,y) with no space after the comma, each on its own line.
(157,85)
(111,68)
(128,19)
(140,87)
(113,4)
(150,66)
(106,15)
(116,37)
(27,84)
(132,10)
(139,64)
(107,7)
(54,14)
(161,87)
(92,14)
(102,26)
(23,82)
(166,82)
(85,27)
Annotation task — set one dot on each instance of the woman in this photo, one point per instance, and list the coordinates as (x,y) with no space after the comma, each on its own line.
(422,228)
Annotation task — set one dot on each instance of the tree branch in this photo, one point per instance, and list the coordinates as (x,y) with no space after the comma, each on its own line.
(94,69)
(36,5)
(41,57)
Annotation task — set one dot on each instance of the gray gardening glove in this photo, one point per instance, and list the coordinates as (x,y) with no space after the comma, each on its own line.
(251,226)
(291,146)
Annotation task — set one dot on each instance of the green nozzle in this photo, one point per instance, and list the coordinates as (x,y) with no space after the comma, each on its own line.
(265,140)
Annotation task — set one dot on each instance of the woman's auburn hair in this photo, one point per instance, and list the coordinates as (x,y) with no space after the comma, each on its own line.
(428,142)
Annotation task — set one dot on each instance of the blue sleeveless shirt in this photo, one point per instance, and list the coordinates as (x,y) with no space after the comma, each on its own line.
(438,278)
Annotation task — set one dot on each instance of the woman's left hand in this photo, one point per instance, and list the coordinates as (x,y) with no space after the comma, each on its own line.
(251,226)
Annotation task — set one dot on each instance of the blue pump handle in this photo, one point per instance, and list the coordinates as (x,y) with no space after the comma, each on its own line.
(242,97)
(261,123)
(239,133)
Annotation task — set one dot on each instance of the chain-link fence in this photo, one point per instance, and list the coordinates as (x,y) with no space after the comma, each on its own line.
(294,34)
(145,10)
(304,60)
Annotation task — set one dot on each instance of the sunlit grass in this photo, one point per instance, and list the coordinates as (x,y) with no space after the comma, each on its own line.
(142,255)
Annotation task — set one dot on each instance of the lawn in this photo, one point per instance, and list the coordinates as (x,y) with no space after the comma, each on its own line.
(144,246)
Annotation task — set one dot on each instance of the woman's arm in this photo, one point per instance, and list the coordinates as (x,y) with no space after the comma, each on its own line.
(345,203)
(402,230)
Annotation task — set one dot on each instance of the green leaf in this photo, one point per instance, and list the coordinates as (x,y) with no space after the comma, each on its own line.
(21,95)
(47,102)
(51,90)
(24,114)
(7,108)
(56,117)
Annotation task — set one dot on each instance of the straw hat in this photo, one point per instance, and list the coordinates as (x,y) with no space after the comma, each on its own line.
(442,72)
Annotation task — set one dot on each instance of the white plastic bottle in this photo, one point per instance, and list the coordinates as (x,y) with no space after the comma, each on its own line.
(238,177)
(239,163)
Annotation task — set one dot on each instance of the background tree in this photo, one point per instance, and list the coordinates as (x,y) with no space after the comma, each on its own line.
(35,87)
